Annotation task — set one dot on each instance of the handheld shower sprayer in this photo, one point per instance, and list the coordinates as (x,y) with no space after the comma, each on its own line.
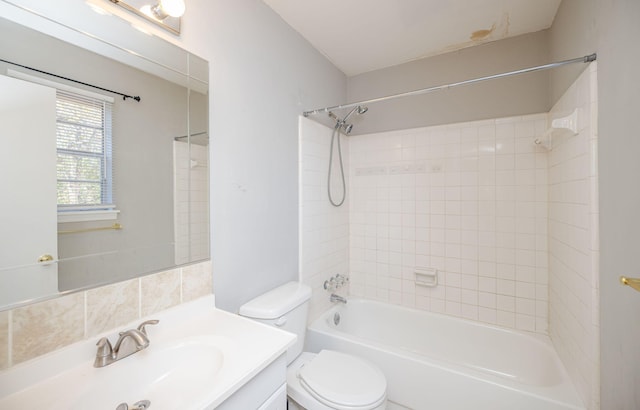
(342,123)
(347,128)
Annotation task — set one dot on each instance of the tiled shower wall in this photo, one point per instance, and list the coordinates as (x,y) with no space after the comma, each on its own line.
(324,229)
(469,200)
(573,239)
(191,201)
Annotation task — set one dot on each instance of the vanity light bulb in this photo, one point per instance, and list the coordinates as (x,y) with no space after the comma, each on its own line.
(173,8)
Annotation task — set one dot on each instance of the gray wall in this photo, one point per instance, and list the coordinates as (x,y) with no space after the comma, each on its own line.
(517,95)
(612,29)
(263,75)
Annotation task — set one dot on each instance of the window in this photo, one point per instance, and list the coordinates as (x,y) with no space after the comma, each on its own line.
(84,160)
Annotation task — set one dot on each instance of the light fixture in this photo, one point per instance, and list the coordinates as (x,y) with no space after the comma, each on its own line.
(166,8)
(165,13)
(98,9)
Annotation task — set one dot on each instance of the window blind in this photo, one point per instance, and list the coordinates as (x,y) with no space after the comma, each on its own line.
(84,146)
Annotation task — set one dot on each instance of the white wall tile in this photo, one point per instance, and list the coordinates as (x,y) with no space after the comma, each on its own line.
(572,243)
(469,210)
(327,241)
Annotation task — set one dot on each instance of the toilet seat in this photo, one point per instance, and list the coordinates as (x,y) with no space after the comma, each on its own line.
(344,382)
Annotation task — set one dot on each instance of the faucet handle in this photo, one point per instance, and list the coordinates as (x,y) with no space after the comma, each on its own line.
(142,325)
(104,355)
(104,348)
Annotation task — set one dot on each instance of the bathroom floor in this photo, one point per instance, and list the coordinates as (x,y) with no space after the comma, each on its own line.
(394,406)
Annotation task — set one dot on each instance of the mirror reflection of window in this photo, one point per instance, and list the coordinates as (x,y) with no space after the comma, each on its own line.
(84,151)
(84,154)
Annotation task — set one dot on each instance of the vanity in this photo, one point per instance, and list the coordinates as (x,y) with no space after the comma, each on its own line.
(198,357)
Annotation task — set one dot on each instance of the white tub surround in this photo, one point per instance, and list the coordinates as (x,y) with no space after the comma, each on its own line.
(506,210)
(437,361)
(574,246)
(64,379)
(324,229)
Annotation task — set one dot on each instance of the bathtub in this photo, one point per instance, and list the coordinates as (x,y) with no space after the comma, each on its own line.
(437,362)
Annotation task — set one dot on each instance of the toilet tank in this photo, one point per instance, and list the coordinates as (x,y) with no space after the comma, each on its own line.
(284,307)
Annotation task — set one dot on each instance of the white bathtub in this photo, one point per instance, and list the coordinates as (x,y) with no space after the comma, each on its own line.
(437,362)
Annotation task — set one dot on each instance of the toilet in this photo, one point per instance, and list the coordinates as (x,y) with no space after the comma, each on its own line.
(328,380)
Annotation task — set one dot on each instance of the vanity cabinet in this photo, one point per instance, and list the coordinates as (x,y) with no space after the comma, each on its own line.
(265,391)
(277,401)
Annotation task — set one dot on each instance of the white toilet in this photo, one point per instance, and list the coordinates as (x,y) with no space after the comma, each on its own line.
(328,380)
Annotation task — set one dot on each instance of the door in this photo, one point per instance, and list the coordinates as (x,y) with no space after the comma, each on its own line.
(28,211)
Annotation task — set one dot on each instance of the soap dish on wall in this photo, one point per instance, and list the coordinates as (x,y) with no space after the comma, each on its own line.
(426,277)
(562,127)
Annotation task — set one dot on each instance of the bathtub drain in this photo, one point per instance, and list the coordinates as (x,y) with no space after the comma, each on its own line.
(336,319)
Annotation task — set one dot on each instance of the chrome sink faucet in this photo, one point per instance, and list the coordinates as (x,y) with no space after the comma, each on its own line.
(107,354)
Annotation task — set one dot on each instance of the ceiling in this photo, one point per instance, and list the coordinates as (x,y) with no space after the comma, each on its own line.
(365,35)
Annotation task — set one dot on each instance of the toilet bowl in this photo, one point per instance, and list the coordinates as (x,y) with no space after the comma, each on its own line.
(327,380)
(333,380)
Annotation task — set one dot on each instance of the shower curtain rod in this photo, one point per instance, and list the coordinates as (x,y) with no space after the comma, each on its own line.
(586,59)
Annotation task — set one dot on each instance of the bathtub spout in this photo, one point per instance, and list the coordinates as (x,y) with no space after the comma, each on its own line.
(335,298)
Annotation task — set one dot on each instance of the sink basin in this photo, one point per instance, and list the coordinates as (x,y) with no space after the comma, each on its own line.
(198,358)
(170,375)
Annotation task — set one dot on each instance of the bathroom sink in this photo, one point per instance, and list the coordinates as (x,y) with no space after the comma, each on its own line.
(198,358)
(169,375)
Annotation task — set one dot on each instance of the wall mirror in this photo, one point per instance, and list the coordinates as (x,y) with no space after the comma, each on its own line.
(92,198)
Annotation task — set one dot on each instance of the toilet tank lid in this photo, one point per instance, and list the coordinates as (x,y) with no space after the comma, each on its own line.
(276,302)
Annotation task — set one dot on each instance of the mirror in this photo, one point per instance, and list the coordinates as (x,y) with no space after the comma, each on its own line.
(156,216)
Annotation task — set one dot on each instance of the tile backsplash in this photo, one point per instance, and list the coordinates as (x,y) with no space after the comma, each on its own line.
(33,330)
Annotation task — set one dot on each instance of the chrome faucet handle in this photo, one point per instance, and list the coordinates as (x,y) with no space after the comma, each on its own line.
(141,327)
(140,405)
(104,347)
(104,354)
(330,285)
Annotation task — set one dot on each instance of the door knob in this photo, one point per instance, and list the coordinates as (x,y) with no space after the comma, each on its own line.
(45,258)
(633,282)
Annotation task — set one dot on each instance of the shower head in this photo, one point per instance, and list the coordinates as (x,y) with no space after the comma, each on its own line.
(358,110)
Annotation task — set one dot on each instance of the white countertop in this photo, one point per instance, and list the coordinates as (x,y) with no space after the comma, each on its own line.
(55,381)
